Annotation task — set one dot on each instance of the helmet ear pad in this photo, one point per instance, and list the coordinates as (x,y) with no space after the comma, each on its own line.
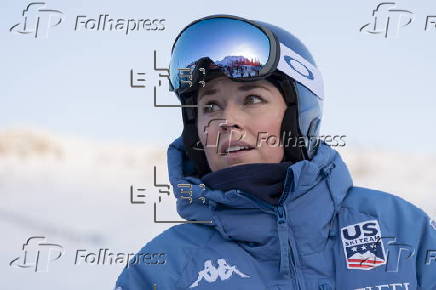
(294,146)
(197,161)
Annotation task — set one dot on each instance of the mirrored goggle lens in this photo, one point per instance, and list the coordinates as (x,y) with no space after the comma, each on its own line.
(237,48)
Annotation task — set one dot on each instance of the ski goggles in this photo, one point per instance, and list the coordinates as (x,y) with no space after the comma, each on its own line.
(235,47)
(238,48)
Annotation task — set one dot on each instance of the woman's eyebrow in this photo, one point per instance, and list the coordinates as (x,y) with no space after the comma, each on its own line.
(210,91)
(247,87)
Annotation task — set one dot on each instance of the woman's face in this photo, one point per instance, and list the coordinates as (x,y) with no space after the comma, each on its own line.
(247,112)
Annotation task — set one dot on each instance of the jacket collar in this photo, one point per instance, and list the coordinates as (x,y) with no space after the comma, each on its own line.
(313,193)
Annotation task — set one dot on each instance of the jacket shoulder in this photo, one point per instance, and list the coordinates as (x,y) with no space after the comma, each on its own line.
(405,227)
(161,261)
(185,234)
(376,202)
(396,216)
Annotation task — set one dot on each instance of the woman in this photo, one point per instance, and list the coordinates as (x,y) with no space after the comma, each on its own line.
(269,204)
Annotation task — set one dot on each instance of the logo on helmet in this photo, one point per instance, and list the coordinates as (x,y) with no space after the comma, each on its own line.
(298,67)
(301,70)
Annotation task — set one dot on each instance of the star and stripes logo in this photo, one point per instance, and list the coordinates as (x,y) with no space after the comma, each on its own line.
(363,246)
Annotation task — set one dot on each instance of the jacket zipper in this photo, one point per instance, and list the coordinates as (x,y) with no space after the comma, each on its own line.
(282,222)
(287,259)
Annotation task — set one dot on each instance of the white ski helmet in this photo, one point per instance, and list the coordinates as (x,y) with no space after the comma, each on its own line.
(206,49)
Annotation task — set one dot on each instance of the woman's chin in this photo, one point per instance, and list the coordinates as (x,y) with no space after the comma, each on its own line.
(238,163)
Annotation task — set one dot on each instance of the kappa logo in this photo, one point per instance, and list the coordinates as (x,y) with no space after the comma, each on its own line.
(211,274)
(363,246)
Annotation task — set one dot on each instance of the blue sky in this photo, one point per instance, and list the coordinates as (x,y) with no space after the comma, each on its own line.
(380,92)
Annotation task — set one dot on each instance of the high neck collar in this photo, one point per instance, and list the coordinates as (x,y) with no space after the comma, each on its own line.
(263,180)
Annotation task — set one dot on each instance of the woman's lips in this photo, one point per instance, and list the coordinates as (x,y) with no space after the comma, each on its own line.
(224,147)
(234,154)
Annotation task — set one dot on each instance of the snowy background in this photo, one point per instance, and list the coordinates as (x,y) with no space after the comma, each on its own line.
(76,193)
(74,136)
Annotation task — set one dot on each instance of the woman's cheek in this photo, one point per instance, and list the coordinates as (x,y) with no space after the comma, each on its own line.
(201,132)
(207,134)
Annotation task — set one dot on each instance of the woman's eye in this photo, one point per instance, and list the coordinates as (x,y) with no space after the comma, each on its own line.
(253,99)
(210,107)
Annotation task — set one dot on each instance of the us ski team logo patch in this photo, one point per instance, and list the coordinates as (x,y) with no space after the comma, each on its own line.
(363,245)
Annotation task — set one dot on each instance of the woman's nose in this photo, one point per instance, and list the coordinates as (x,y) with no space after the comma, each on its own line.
(233,118)
(226,126)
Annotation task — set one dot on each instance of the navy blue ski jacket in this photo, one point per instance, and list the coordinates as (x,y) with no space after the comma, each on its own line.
(323,234)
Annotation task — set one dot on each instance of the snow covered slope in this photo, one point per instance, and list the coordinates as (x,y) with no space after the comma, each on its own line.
(76,194)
